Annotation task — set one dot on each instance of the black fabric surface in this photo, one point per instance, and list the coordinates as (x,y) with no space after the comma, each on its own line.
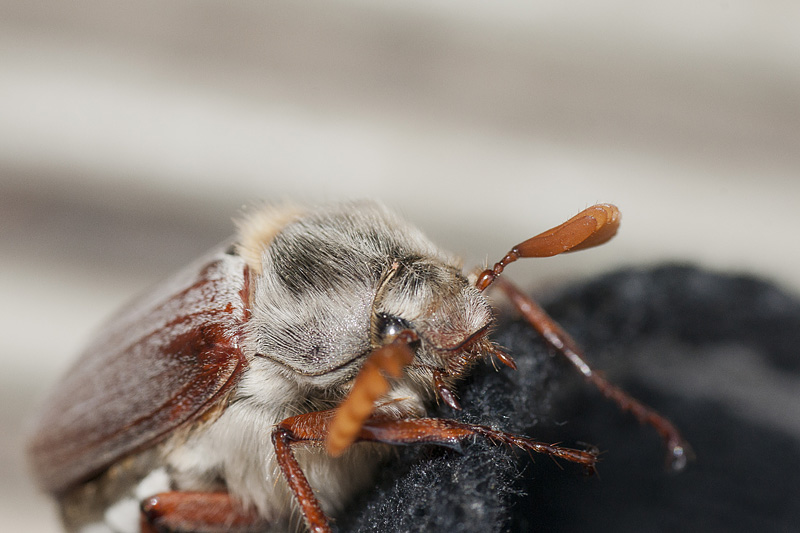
(716,354)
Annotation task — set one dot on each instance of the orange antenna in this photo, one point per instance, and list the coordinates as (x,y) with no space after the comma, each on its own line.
(591,227)
(370,384)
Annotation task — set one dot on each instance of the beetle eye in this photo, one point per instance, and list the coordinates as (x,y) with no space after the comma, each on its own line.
(390,326)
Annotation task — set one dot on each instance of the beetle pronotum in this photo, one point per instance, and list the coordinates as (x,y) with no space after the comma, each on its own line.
(240,389)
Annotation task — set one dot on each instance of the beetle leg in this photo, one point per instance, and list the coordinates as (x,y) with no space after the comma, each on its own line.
(311,429)
(679,451)
(446,432)
(201,512)
(306,428)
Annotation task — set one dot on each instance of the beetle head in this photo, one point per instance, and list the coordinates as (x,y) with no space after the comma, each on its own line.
(341,281)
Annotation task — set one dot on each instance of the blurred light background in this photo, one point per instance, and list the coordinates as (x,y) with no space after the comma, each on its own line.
(131,134)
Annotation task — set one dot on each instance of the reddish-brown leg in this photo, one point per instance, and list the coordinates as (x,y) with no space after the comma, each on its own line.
(312,428)
(446,432)
(197,512)
(287,434)
(679,451)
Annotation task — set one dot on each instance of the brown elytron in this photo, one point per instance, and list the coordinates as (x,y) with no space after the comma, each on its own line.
(204,364)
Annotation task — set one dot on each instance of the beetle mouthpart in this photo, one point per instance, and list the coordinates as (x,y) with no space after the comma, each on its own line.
(502,356)
(444,391)
(369,385)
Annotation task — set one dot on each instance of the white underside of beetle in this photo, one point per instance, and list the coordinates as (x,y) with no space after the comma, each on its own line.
(123,516)
(237,449)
